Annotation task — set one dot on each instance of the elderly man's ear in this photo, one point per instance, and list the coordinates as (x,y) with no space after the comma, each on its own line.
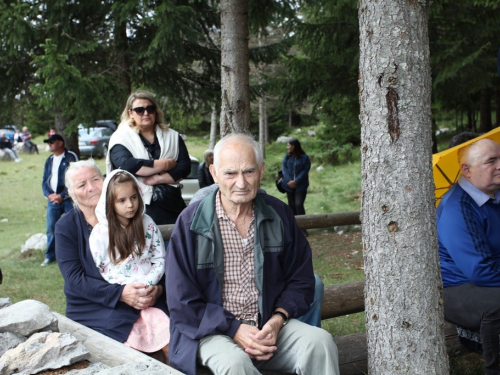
(465,168)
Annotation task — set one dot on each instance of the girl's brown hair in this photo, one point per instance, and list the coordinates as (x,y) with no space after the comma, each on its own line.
(124,242)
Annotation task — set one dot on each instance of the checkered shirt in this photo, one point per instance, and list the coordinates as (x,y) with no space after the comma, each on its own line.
(239,291)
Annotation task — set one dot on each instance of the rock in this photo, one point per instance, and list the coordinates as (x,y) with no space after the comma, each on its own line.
(5,302)
(283,139)
(134,368)
(35,242)
(5,220)
(311,133)
(341,228)
(93,368)
(27,317)
(9,340)
(299,130)
(320,168)
(43,351)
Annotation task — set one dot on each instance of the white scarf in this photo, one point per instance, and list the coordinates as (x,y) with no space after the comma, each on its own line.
(129,138)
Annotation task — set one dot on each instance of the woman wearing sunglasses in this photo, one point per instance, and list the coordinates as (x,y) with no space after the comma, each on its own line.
(146,147)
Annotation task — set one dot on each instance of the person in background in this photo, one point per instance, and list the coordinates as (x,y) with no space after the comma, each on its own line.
(204,176)
(6,146)
(146,147)
(110,309)
(17,137)
(127,247)
(54,189)
(239,272)
(26,138)
(52,131)
(295,167)
(468,222)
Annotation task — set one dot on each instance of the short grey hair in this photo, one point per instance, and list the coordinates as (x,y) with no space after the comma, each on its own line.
(73,169)
(244,138)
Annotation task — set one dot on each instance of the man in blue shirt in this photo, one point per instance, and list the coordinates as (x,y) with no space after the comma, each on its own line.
(468,225)
(54,189)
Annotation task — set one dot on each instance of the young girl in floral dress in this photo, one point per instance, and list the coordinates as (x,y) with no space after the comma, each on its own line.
(127,247)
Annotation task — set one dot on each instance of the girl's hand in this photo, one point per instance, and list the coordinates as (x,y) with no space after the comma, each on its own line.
(292,184)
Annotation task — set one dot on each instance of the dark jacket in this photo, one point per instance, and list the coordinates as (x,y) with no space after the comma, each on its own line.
(204,176)
(5,143)
(90,300)
(296,169)
(69,157)
(194,274)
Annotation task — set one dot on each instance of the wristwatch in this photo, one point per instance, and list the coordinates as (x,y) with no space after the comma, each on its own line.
(283,316)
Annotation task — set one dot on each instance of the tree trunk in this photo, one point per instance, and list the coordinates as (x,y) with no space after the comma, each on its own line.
(404,312)
(262,123)
(213,127)
(485,120)
(121,50)
(70,140)
(235,112)
(497,105)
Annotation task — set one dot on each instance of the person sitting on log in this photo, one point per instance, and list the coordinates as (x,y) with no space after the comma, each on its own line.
(468,222)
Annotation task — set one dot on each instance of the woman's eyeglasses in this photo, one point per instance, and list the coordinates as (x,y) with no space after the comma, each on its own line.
(140,110)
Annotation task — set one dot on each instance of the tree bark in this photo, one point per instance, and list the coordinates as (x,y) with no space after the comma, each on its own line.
(213,127)
(70,140)
(404,312)
(485,124)
(235,112)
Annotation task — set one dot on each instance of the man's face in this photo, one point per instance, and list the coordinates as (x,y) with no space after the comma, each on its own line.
(56,146)
(237,173)
(483,166)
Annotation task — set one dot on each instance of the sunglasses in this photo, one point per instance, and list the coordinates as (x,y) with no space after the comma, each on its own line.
(140,110)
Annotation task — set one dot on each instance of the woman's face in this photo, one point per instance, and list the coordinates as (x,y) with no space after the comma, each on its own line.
(290,148)
(87,186)
(144,119)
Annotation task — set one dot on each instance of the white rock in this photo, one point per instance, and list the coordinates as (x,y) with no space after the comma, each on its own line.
(35,242)
(320,168)
(27,317)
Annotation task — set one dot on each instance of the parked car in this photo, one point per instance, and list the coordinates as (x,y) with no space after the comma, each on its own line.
(190,184)
(110,124)
(93,142)
(14,128)
(8,133)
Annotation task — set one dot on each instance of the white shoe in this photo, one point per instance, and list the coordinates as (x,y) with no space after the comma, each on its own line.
(17,160)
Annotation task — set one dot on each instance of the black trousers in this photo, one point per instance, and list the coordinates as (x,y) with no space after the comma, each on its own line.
(477,308)
(296,201)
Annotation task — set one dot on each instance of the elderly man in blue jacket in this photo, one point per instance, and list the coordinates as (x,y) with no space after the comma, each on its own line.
(468,224)
(238,273)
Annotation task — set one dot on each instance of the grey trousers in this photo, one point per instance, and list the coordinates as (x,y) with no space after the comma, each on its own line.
(302,349)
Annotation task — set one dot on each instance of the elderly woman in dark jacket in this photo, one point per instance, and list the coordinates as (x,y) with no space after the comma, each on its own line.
(110,309)
(204,176)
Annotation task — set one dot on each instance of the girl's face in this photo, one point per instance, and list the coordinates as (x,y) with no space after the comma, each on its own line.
(126,202)
(290,148)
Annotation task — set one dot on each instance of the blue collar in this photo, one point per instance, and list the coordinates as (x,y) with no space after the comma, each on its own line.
(477,195)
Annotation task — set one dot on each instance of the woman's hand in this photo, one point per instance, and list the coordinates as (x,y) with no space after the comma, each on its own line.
(172,163)
(140,296)
(292,184)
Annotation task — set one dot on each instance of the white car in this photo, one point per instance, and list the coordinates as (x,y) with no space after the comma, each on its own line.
(190,184)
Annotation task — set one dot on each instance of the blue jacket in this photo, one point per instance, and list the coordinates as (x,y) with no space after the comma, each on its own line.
(90,300)
(69,157)
(469,237)
(194,274)
(296,169)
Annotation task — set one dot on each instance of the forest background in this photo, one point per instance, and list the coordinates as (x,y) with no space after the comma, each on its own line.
(74,62)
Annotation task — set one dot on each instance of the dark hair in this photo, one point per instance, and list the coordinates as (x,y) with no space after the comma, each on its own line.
(124,242)
(297,148)
(461,138)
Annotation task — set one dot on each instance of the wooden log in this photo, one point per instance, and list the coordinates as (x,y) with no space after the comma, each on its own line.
(104,349)
(343,299)
(304,222)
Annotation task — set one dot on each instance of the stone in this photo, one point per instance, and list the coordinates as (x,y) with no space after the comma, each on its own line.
(35,242)
(320,168)
(43,351)
(311,133)
(93,368)
(27,317)
(9,340)
(133,368)
(5,302)
(283,139)
(341,228)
